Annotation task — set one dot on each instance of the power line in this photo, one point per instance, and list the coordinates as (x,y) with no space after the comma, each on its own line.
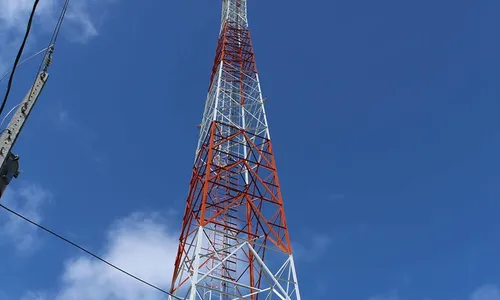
(55,34)
(50,47)
(48,50)
(46,61)
(19,64)
(88,252)
(19,53)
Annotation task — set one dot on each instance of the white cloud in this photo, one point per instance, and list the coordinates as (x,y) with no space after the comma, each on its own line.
(486,292)
(140,244)
(15,13)
(79,25)
(27,201)
(81,22)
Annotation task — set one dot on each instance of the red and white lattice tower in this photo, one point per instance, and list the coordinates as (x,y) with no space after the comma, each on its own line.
(234,242)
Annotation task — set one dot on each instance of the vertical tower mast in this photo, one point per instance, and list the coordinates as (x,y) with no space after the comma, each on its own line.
(234,241)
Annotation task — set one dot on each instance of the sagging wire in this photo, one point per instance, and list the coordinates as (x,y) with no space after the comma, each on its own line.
(88,252)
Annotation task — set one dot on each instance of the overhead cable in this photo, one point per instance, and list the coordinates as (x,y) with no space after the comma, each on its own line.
(22,62)
(19,53)
(88,252)
(48,50)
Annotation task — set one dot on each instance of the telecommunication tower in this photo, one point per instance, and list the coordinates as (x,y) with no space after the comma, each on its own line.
(234,242)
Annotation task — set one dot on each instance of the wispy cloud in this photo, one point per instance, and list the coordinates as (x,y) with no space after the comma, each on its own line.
(81,22)
(486,292)
(313,248)
(141,244)
(79,26)
(14,13)
(27,201)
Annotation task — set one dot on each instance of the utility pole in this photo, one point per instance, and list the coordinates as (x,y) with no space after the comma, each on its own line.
(9,162)
(234,242)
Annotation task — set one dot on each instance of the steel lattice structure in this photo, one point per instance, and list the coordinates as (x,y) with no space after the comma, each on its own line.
(234,242)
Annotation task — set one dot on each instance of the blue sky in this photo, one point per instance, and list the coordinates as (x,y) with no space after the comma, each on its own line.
(383,116)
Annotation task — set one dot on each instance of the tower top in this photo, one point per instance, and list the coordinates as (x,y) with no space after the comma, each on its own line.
(234,11)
